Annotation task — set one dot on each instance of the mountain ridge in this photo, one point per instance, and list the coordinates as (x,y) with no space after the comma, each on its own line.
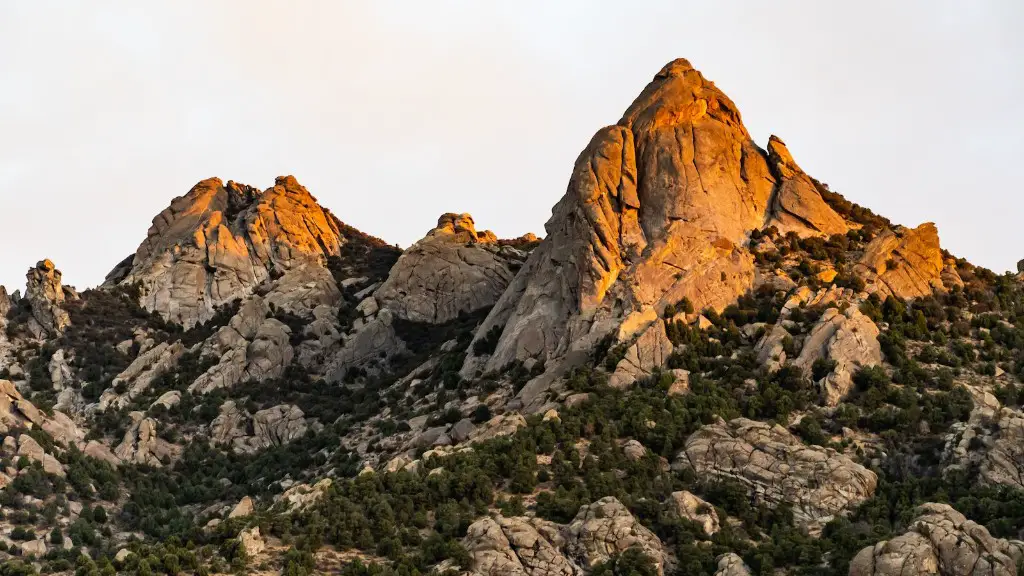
(707,342)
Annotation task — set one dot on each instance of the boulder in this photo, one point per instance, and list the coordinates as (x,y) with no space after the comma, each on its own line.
(939,541)
(45,297)
(218,242)
(517,547)
(905,263)
(651,350)
(368,348)
(731,564)
(453,270)
(778,468)
(35,548)
(244,507)
(991,442)
(251,541)
(141,444)
(501,425)
(687,506)
(606,528)
(634,450)
(272,426)
(29,448)
(301,496)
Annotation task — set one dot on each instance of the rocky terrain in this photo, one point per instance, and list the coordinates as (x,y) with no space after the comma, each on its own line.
(711,363)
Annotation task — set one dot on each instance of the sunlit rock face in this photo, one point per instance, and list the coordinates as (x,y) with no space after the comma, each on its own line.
(219,241)
(658,209)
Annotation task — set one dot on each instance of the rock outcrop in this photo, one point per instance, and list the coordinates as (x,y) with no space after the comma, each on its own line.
(651,350)
(518,547)
(141,444)
(45,296)
(778,468)
(906,263)
(252,346)
(137,377)
(658,209)
(940,541)
(247,433)
(533,547)
(848,338)
(687,506)
(991,441)
(732,565)
(218,242)
(452,271)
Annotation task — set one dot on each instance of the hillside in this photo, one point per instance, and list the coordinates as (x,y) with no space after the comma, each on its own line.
(710,364)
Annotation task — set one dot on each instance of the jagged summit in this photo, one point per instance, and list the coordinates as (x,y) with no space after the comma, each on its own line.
(219,241)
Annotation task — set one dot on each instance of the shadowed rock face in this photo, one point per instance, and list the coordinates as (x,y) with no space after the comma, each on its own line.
(658,208)
(45,296)
(216,243)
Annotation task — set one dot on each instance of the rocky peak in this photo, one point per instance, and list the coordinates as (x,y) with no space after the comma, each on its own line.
(658,209)
(218,242)
(46,295)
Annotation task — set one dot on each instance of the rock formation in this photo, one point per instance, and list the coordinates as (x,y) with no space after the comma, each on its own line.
(45,297)
(992,441)
(905,263)
(141,444)
(137,377)
(687,506)
(218,242)
(940,541)
(778,468)
(848,338)
(731,565)
(247,433)
(658,208)
(651,350)
(533,547)
(453,270)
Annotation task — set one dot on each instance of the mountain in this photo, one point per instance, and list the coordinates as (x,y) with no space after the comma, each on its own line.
(710,364)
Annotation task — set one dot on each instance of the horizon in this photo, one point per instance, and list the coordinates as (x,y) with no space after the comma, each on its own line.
(464,108)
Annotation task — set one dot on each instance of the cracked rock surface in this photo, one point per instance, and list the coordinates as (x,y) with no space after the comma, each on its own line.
(940,541)
(778,468)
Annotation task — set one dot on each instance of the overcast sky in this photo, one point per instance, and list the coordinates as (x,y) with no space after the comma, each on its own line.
(394,112)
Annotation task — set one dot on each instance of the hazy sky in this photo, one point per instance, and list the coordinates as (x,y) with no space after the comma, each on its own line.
(394,112)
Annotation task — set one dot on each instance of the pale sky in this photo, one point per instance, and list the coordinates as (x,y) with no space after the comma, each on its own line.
(392,113)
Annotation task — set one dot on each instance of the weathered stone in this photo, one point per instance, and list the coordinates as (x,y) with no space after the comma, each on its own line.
(689,507)
(606,528)
(778,468)
(453,270)
(245,507)
(141,373)
(367,348)
(168,400)
(60,371)
(251,541)
(651,350)
(991,441)
(939,541)
(34,548)
(731,564)
(462,430)
(850,339)
(302,496)
(270,427)
(906,263)
(501,425)
(634,450)
(797,204)
(141,444)
(218,242)
(517,547)
(45,296)
(29,448)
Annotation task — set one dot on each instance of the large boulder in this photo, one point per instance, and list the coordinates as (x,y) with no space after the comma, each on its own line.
(45,297)
(452,271)
(517,547)
(606,528)
(218,242)
(651,350)
(797,205)
(778,468)
(247,433)
(690,507)
(658,209)
(903,262)
(731,564)
(142,445)
(940,541)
